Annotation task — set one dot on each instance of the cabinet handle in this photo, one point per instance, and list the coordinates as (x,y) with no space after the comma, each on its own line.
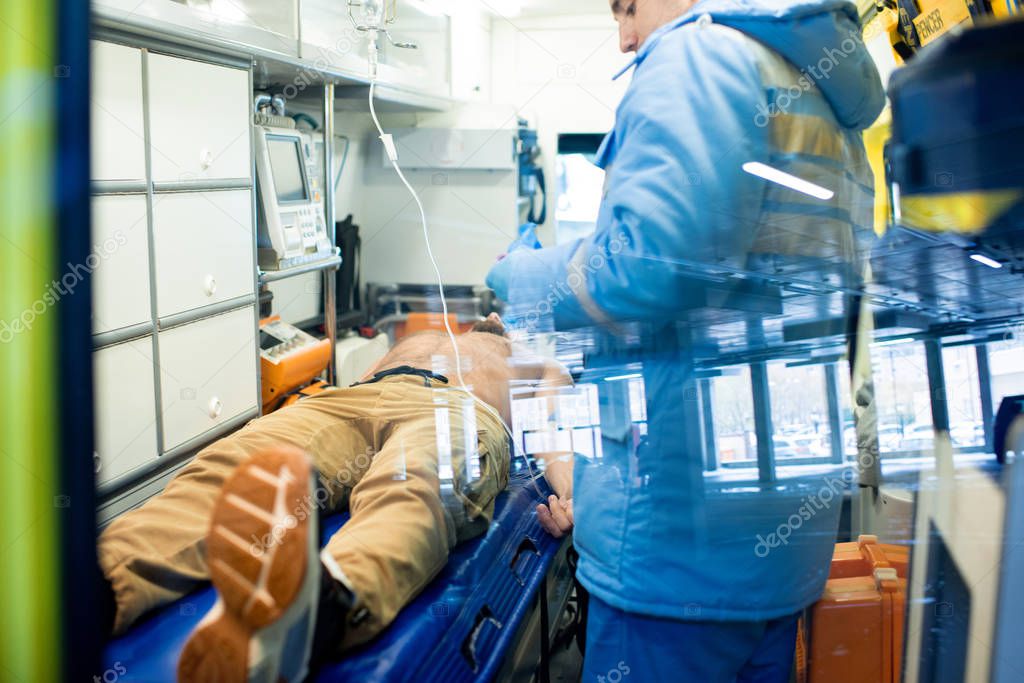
(205,159)
(216,407)
(210,285)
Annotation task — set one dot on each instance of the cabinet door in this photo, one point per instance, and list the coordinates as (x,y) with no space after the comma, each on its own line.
(426,69)
(204,249)
(199,120)
(471,53)
(120,253)
(118,133)
(208,374)
(125,406)
(328,37)
(267,24)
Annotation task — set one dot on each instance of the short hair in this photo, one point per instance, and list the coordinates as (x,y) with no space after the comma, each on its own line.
(488,326)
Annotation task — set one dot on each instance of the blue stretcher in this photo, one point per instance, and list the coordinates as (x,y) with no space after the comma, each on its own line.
(458,629)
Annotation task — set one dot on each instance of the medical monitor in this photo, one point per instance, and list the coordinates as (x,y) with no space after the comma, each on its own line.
(292,225)
(288,169)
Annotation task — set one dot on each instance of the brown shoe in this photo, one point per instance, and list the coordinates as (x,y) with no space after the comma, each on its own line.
(262,551)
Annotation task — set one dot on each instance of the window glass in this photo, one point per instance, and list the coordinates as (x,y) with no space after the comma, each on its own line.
(1006,367)
(733,406)
(902,396)
(580,186)
(846,410)
(963,394)
(799,411)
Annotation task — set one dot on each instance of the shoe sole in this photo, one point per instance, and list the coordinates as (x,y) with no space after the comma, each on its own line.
(257,551)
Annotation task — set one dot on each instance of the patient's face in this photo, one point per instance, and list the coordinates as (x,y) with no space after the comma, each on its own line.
(491,325)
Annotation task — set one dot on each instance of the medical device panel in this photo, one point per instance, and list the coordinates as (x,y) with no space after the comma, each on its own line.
(289,359)
(292,226)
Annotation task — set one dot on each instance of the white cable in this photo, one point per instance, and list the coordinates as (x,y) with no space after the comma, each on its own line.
(392,153)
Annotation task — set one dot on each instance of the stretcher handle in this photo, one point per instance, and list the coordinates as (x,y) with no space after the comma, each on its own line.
(526,545)
(483,617)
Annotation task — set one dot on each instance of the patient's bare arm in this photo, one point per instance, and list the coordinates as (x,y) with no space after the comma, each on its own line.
(557,516)
(489,365)
(557,464)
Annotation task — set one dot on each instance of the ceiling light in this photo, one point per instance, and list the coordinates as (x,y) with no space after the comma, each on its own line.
(894,342)
(986,261)
(622,377)
(785,179)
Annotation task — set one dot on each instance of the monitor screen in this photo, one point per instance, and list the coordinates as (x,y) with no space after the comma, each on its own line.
(286,163)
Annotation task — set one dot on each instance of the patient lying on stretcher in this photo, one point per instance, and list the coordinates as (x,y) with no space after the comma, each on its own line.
(416,460)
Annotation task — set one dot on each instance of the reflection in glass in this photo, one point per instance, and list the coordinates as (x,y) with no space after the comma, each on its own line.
(733,403)
(799,411)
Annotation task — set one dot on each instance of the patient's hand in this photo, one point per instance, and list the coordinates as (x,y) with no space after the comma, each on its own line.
(556,516)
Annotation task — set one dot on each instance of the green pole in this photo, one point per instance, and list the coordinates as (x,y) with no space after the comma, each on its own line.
(30,499)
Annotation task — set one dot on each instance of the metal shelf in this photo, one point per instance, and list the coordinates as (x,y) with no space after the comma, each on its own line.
(270,64)
(267,276)
(392,99)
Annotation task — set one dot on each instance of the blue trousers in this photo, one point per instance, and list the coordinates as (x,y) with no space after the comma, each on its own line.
(624,647)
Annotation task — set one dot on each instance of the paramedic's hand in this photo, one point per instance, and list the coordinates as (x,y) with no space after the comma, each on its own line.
(524,275)
(500,277)
(556,516)
(522,269)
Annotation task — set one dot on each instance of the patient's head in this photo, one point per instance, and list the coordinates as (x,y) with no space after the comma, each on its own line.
(492,324)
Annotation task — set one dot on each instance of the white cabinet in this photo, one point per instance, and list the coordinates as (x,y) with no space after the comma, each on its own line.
(125,408)
(199,120)
(204,245)
(120,280)
(195,242)
(453,148)
(266,24)
(329,39)
(208,374)
(118,129)
(426,69)
(471,53)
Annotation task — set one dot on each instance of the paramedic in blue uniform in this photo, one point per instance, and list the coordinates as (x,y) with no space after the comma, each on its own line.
(736,148)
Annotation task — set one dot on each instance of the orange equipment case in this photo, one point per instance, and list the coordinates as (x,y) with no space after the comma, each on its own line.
(866,554)
(857,625)
(297,369)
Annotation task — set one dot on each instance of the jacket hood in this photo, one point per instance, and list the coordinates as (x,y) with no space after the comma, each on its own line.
(821,38)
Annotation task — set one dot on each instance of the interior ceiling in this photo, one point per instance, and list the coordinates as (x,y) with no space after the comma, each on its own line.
(556,7)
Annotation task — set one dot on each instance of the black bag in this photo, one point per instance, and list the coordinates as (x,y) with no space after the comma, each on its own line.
(347,286)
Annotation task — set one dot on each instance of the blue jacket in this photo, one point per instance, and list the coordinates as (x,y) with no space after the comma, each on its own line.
(703,102)
(788,85)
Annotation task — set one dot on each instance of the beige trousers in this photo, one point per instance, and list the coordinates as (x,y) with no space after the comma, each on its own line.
(394,453)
